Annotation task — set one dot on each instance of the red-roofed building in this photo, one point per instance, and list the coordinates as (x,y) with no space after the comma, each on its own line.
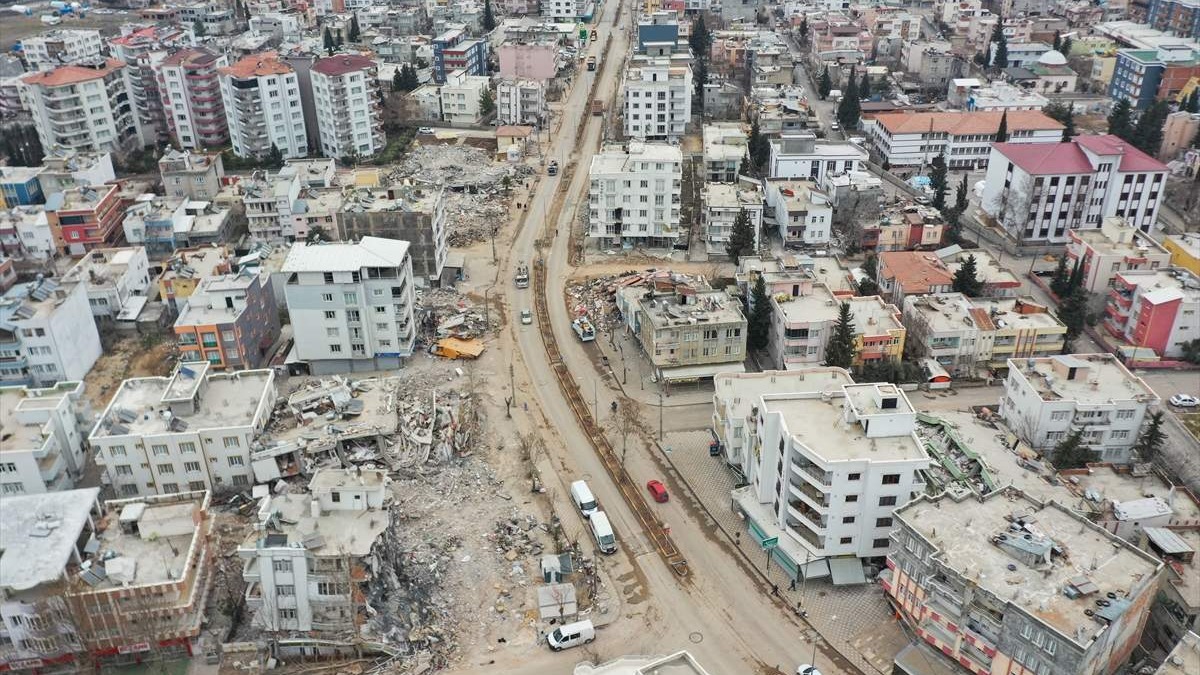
(85,107)
(142,50)
(1040,192)
(191,91)
(913,139)
(349,115)
(261,95)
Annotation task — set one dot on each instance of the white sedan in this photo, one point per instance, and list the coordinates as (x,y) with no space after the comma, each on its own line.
(1185,401)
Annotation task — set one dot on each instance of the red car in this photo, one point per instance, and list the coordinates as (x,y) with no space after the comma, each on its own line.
(658,491)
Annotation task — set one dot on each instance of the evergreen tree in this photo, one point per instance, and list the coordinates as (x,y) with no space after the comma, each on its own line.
(1068,124)
(746,168)
(741,238)
(489,19)
(864,87)
(199,29)
(1057,44)
(825,85)
(1148,134)
(758,328)
(1060,283)
(1000,47)
(699,79)
(327,40)
(411,79)
(1151,440)
(839,352)
(487,104)
(760,148)
(1072,311)
(960,196)
(870,268)
(849,111)
(1002,131)
(700,40)
(803,30)
(354,31)
(938,180)
(398,78)
(1076,279)
(1120,120)
(1071,453)
(1193,102)
(274,158)
(966,279)
(1067,45)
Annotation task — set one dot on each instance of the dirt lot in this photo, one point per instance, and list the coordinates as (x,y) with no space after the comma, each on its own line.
(125,357)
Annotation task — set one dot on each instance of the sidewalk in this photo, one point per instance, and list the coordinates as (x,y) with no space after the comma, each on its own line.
(854,620)
(631,372)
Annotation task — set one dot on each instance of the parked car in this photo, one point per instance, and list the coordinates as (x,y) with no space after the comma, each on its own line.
(552,169)
(1184,401)
(658,491)
(571,635)
(806,669)
(425,131)
(526,317)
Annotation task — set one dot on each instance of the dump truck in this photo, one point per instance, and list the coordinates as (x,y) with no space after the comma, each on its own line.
(597,106)
(584,329)
(591,63)
(522,276)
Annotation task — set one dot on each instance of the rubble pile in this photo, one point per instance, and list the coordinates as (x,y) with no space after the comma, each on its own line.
(596,298)
(515,537)
(471,217)
(447,313)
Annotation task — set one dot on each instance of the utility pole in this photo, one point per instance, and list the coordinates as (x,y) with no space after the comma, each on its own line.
(512,384)
(660,415)
(486,316)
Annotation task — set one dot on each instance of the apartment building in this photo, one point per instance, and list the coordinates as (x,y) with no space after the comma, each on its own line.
(309,557)
(102,88)
(229,321)
(455,50)
(63,169)
(956,561)
(119,581)
(191,175)
(19,186)
(349,113)
(47,334)
(353,304)
(43,432)
(830,469)
(799,155)
(801,214)
(722,204)
(25,233)
(903,273)
(413,214)
(634,194)
(1039,192)
(1185,251)
(191,431)
(1115,247)
(736,397)
(186,268)
(564,10)
(900,227)
(261,97)
(725,144)
(143,50)
(60,47)
(965,138)
(1181,17)
(521,101)
(117,281)
(528,60)
(459,98)
(687,333)
(969,335)
(190,85)
(658,96)
(1152,309)
(1143,76)
(84,218)
(802,321)
(1046,399)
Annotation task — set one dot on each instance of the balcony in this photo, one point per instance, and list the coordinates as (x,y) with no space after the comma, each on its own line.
(250,571)
(50,467)
(801,530)
(815,498)
(815,521)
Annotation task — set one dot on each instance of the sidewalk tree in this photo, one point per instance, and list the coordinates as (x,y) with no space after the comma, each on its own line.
(939,176)
(1002,131)
(1152,438)
(824,84)
(758,325)
(1120,120)
(1060,283)
(966,279)
(1071,453)
(489,17)
(839,353)
(741,237)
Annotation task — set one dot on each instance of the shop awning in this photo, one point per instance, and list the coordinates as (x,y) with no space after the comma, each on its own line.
(846,571)
(815,569)
(688,373)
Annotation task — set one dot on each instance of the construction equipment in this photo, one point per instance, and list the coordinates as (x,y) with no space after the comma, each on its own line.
(597,106)
(584,329)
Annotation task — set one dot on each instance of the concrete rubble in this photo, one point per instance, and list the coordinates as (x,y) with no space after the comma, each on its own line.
(447,313)
(596,297)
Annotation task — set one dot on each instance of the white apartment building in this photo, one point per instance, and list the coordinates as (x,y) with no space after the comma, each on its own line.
(564,10)
(723,202)
(725,145)
(658,96)
(349,114)
(261,96)
(1046,399)
(736,397)
(634,194)
(351,304)
(308,549)
(25,231)
(830,471)
(47,334)
(61,46)
(84,107)
(1040,192)
(43,433)
(520,101)
(801,155)
(800,213)
(116,279)
(190,86)
(268,202)
(1114,248)
(965,138)
(191,431)
(460,97)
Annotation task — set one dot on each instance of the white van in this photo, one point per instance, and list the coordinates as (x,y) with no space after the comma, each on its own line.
(584,501)
(603,532)
(571,635)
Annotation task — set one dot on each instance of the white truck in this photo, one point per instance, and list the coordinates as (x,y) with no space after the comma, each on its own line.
(522,276)
(584,329)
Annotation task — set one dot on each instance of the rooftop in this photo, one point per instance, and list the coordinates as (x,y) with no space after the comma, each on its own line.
(347,532)
(966,535)
(873,316)
(102,267)
(25,301)
(1189,242)
(1163,284)
(141,405)
(1117,238)
(73,74)
(822,427)
(84,198)
(257,65)
(724,142)
(1106,483)
(149,540)
(743,390)
(191,57)
(1132,159)
(201,310)
(679,663)
(689,306)
(19,174)
(1184,659)
(1071,158)
(916,271)
(186,160)
(403,198)
(194,263)
(1090,379)
(38,534)
(346,257)
(615,159)
(728,195)
(987,267)
(16,435)
(960,123)
(820,304)
(342,64)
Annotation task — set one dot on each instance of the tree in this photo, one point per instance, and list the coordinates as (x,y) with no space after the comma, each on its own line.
(803,31)
(960,196)
(1072,311)
(1002,132)
(625,420)
(759,147)
(1057,44)
(274,158)
(1060,283)
(1192,104)
(938,180)
(199,29)
(327,41)
(1151,440)
(1069,124)
(489,19)
(1120,120)
(839,353)
(1071,453)
(487,104)
(825,84)
(758,328)
(864,87)
(868,287)
(1064,114)
(398,78)
(850,109)
(411,79)
(699,79)
(1191,348)
(999,46)
(741,237)
(746,168)
(966,279)
(354,30)
(1148,134)
(700,40)
(21,145)
(1067,45)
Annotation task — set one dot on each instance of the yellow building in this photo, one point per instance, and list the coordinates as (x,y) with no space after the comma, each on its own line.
(183,272)
(1185,251)
(878,331)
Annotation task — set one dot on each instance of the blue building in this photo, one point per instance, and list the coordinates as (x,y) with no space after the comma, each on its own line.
(453,50)
(1179,17)
(1142,76)
(19,186)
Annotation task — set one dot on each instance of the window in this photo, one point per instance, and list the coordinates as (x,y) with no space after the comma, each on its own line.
(117,451)
(191,467)
(285,589)
(1125,414)
(170,488)
(285,614)
(846,540)
(335,497)
(881,543)
(327,297)
(159,450)
(195,485)
(166,469)
(330,315)
(335,349)
(123,470)
(891,479)
(883,522)
(331,588)
(187,447)
(850,499)
(328,277)
(8,467)
(238,461)
(1058,415)
(241,479)
(350,298)
(331,332)
(854,476)
(887,501)
(847,520)
(281,565)
(12,488)
(232,442)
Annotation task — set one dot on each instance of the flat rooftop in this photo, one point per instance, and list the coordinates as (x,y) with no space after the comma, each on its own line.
(1123,486)
(948,312)
(405,198)
(864,398)
(679,663)
(1162,285)
(1105,380)
(31,552)
(1189,242)
(1118,238)
(724,142)
(743,390)
(199,309)
(31,299)
(1184,659)
(340,532)
(963,532)
(614,159)
(102,267)
(873,316)
(987,268)
(346,257)
(821,427)
(818,306)
(16,436)
(158,550)
(730,196)
(703,308)
(194,263)
(329,479)
(227,400)
(1005,465)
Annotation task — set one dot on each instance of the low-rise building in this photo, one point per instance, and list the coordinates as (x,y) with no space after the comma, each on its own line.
(965,138)
(85,217)
(687,333)
(1143,76)
(25,232)
(47,334)
(1046,399)
(229,321)
(63,169)
(899,227)
(43,432)
(803,318)
(1115,247)
(154,222)
(521,101)
(801,155)
(117,280)
(460,97)
(413,214)
(1185,251)
(799,212)
(308,559)
(723,203)
(725,144)
(191,175)
(19,186)
(1154,309)
(904,273)
(1002,96)
(955,561)
(967,336)
(186,268)
(634,195)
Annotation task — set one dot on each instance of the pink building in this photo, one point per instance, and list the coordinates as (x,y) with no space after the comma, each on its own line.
(528,61)
(1154,309)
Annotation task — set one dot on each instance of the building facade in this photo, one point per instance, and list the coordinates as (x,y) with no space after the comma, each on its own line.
(1115,247)
(191,175)
(117,280)
(1154,309)
(965,138)
(229,321)
(60,47)
(801,155)
(44,431)
(261,97)
(801,214)
(190,86)
(634,195)
(521,102)
(47,334)
(102,88)
(658,97)
(349,113)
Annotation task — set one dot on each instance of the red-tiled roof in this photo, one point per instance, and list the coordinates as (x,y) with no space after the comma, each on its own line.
(64,75)
(258,65)
(1042,159)
(960,123)
(916,271)
(342,63)
(190,57)
(1132,159)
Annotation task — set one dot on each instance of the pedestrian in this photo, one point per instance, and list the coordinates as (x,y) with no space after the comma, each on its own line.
(792,586)
(775,590)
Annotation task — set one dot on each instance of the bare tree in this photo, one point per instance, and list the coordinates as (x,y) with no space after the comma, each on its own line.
(626,420)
